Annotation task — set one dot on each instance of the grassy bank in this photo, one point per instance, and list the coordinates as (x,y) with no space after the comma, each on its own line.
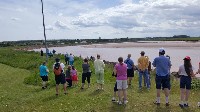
(20,90)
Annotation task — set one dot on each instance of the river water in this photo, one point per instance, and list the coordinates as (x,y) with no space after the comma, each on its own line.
(177,52)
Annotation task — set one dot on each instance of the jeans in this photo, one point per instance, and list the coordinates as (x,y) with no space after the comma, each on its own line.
(145,74)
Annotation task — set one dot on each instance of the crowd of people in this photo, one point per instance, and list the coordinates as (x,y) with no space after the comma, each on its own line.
(124,73)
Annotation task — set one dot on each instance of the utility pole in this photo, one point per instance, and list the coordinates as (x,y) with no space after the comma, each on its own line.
(44,33)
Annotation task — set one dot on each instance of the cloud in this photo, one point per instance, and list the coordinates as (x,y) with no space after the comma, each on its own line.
(49,27)
(61,25)
(108,19)
(15,19)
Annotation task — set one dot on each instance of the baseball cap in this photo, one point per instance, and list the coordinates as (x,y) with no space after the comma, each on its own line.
(187,58)
(161,50)
(142,52)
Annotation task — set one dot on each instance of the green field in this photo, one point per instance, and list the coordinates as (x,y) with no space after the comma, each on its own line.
(20,90)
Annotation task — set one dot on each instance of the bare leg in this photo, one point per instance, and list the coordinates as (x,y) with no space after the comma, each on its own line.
(101,86)
(82,85)
(57,87)
(115,94)
(120,94)
(158,96)
(166,94)
(43,84)
(130,79)
(64,87)
(187,95)
(182,91)
(125,94)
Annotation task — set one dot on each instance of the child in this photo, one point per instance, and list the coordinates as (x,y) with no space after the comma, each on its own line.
(68,77)
(74,76)
(115,89)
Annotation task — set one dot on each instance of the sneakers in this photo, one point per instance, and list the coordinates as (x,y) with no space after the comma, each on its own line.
(113,99)
(43,87)
(181,105)
(186,105)
(120,103)
(167,104)
(156,103)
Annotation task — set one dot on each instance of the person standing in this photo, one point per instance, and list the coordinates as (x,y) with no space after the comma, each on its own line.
(143,64)
(185,72)
(86,73)
(130,68)
(41,52)
(162,65)
(121,70)
(67,58)
(71,59)
(74,75)
(149,73)
(68,76)
(44,75)
(58,69)
(99,72)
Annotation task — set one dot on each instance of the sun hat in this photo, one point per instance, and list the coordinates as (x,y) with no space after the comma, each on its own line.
(187,58)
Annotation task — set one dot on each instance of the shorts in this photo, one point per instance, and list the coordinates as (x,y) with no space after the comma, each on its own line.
(60,79)
(162,81)
(74,78)
(130,73)
(86,76)
(44,78)
(169,87)
(185,82)
(115,88)
(122,84)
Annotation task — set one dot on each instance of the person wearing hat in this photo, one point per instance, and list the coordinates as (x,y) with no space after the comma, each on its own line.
(143,64)
(130,68)
(185,72)
(61,77)
(162,64)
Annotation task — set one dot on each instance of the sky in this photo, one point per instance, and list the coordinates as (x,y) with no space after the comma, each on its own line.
(91,19)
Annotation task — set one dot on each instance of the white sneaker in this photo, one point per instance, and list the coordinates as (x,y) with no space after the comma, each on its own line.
(113,99)
(125,102)
(120,103)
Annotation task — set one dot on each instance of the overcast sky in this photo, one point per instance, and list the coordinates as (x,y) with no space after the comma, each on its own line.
(78,19)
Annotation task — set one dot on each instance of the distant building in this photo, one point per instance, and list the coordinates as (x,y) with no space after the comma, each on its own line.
(83,42)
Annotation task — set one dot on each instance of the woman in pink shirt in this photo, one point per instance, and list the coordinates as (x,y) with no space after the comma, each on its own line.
(74,76)
(121,71)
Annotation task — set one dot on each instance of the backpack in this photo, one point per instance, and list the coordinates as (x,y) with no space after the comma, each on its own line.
(57,69)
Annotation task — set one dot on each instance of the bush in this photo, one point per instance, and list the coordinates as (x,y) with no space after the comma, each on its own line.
(195,84)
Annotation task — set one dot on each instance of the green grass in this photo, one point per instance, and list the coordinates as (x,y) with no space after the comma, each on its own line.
(16,95)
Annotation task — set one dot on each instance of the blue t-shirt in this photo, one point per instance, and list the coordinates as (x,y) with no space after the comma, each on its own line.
(43,71)
(71,58)
(162,65)
(129,63)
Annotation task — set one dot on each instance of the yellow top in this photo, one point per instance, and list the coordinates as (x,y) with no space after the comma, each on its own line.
(143,63)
